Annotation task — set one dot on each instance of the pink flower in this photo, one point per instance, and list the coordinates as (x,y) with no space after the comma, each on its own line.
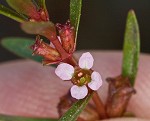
(82,77)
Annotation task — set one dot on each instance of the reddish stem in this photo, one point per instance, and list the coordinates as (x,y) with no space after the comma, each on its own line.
(71,60)
(58,46)
(99,106)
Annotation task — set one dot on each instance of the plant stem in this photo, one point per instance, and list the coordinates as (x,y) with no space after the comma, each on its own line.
(72,61)
(99,106)
(80,119)
(58,46)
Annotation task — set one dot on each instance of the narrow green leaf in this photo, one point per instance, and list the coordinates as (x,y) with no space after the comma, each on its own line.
(23,6)
(73,113)
(11,14)
(20,47)
(131,47)
(39,28)
(41,3)
(75,13)
(18,118)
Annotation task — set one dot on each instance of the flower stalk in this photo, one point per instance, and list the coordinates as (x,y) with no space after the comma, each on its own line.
(58,47)
(99,106)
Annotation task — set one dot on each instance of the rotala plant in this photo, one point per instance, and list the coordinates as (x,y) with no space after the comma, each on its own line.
(59,52)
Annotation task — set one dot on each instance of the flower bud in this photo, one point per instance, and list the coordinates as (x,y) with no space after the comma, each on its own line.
(50,54)
(67,35)
(39,15)
(119,94)
(44,15)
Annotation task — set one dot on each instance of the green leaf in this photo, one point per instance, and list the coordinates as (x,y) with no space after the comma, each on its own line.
(23,6)
(75,13)
(18,118)
(41,3)
(11,14)
(20,47)
(131,47)
(73,113)
(40,28)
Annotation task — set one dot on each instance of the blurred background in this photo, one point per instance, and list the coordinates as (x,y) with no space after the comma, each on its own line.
(102,24)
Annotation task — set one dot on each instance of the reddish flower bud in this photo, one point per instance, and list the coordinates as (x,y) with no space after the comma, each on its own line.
(34,16)
(50,54)
(67,35)
(44,15)
(39,15)
(119,94)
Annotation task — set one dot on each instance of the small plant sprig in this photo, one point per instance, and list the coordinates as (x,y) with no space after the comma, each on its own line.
(34,19)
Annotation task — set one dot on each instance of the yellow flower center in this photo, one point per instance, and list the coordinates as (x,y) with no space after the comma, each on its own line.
(81,77)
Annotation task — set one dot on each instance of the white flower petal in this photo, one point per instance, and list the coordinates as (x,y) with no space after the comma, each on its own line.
(96,81)
(94,85)
(96,76)
(64,71)
(86,61)
(79,92)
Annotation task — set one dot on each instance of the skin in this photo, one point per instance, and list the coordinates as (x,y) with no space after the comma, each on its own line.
(29,89)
